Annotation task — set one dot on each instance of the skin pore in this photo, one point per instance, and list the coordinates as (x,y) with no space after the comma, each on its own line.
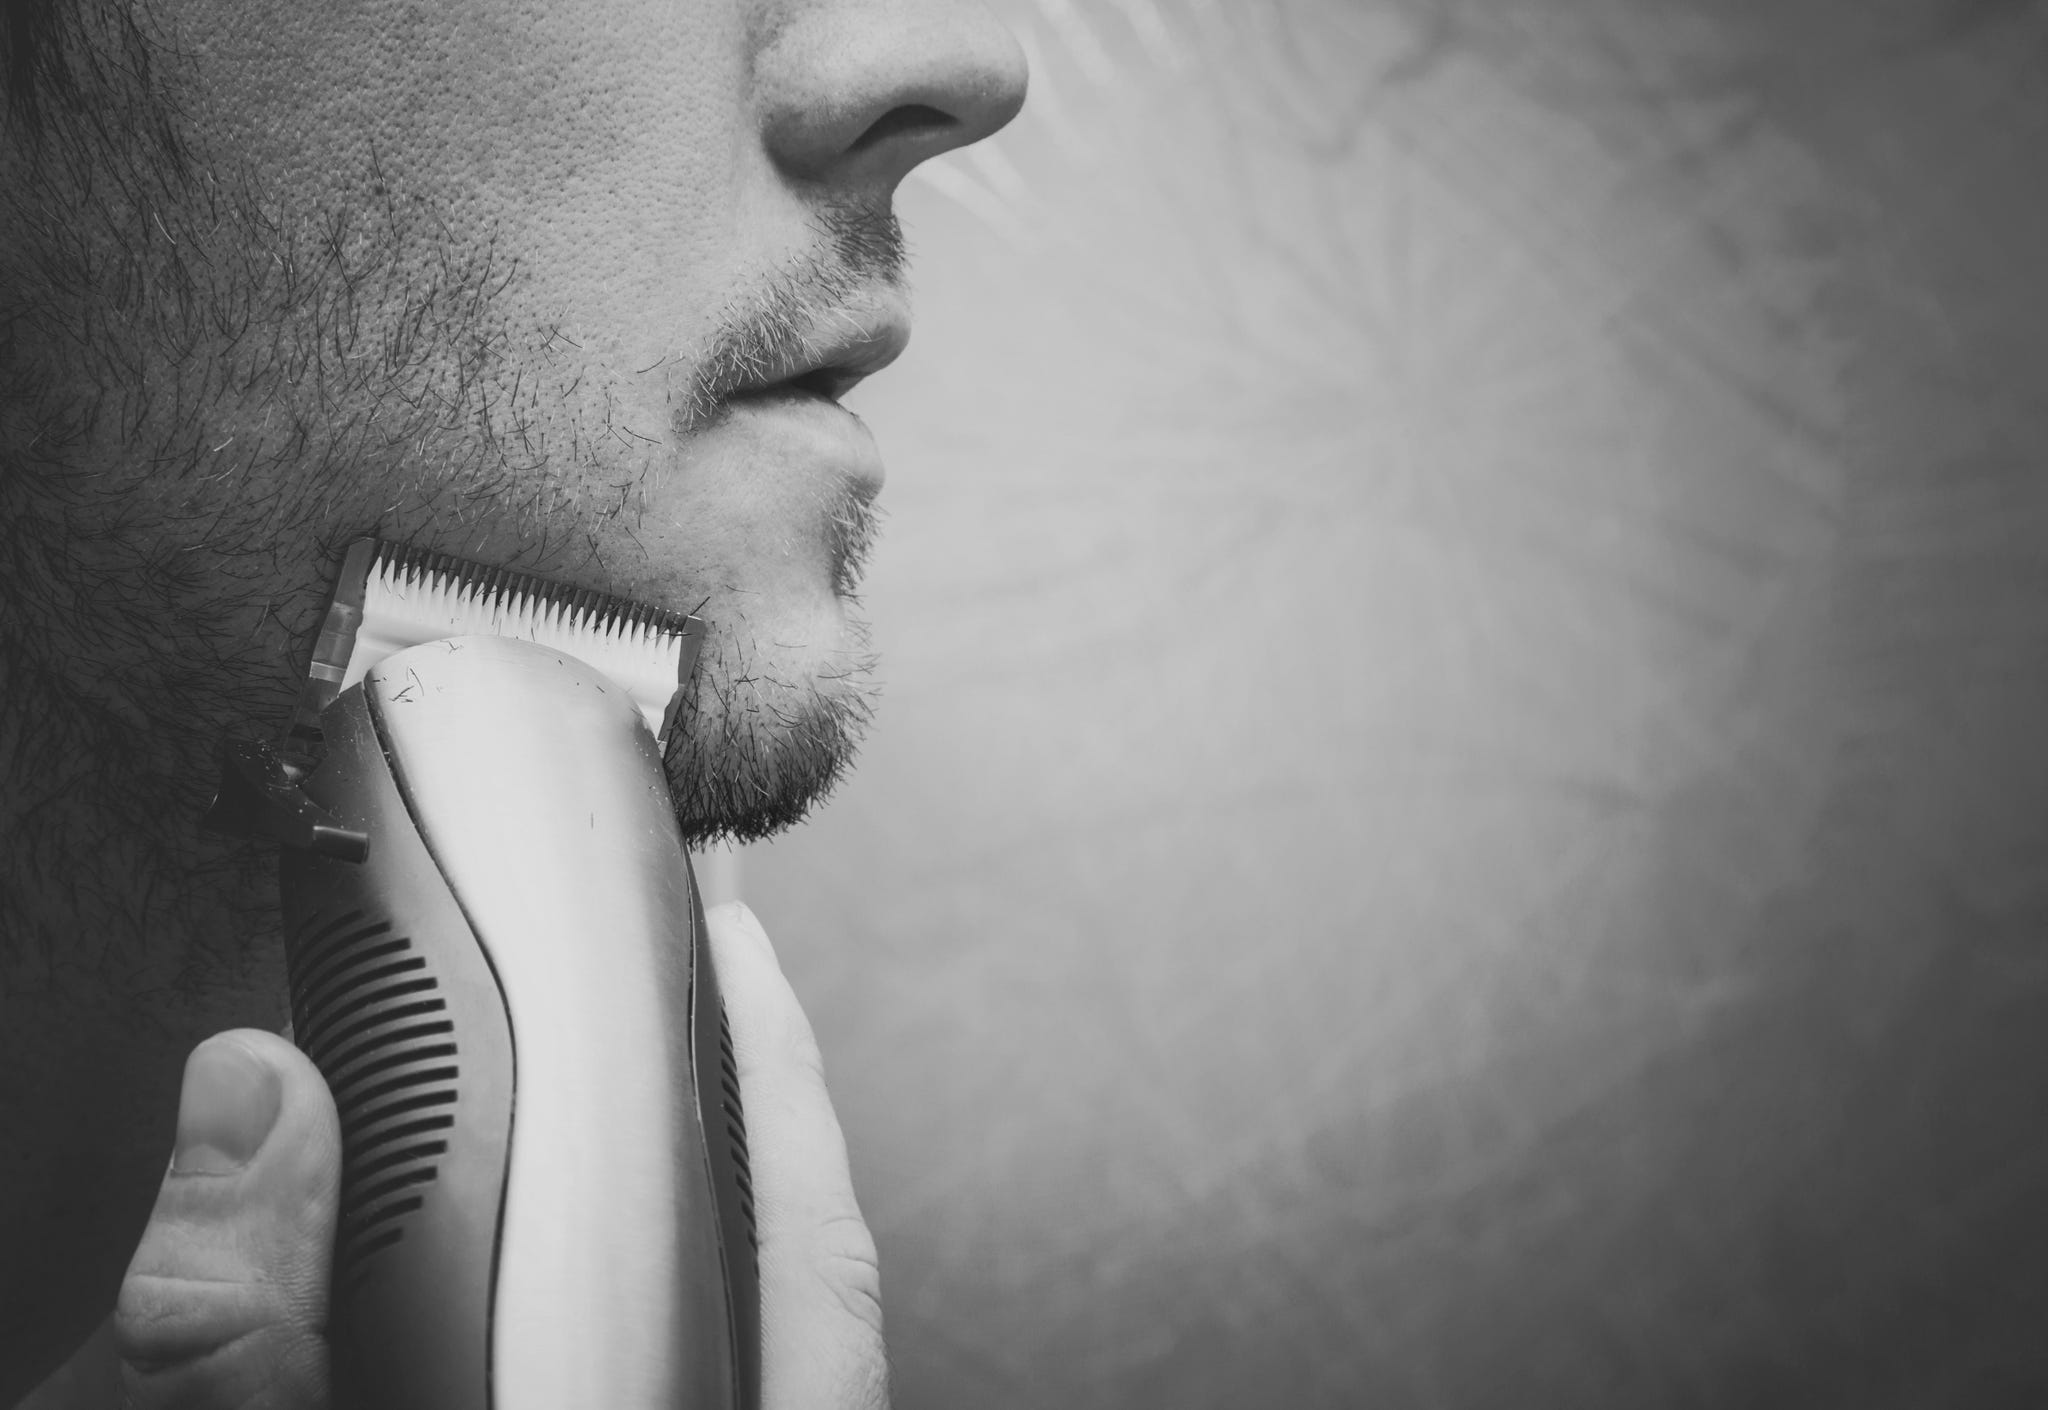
(482,277)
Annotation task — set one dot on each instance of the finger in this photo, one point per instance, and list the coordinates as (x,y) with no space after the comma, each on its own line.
(821,1310)
(224,1306)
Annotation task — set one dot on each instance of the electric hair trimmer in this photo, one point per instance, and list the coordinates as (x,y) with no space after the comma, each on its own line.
(497,959)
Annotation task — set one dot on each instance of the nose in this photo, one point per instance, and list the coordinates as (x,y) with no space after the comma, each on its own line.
(855,93)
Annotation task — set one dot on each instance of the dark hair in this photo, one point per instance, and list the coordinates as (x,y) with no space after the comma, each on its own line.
(31,56)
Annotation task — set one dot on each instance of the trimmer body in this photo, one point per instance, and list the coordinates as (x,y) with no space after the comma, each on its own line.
(545,1196)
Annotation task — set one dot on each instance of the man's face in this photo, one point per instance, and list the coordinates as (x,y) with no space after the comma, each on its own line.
(506,279)
(562,287)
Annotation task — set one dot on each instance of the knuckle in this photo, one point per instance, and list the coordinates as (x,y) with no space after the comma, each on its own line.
(851,1270)
(162,1320)
(187,1342)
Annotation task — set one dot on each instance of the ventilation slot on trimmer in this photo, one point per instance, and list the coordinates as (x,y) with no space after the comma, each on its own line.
(367,1010)
(735,1124)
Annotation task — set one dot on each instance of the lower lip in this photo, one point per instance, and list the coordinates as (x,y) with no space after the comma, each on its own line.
(809,430)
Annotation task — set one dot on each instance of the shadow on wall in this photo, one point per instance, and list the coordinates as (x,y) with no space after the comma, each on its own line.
(1460,817)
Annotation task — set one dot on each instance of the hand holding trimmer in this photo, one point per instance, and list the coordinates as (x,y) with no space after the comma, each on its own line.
(497,961)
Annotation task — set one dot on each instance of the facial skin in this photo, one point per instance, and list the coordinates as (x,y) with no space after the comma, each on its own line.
(483,276)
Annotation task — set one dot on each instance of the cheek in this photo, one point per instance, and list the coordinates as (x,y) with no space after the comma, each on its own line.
(596,147)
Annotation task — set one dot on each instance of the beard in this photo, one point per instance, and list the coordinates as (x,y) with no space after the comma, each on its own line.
(752,754)
(205,395)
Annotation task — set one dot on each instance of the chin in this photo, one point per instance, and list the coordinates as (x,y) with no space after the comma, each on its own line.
(769,727)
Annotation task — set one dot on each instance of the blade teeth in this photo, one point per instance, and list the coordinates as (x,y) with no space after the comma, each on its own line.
(465,588)
(442,595)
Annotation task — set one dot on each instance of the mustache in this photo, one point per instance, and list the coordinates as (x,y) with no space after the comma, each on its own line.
(860,250)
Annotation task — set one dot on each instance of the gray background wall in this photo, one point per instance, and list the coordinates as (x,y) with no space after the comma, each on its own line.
(1461,815)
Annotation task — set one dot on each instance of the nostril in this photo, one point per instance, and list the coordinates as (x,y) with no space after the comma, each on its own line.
(912,118)
(856,95)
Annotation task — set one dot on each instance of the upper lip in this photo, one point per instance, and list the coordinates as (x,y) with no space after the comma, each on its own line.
(833,349)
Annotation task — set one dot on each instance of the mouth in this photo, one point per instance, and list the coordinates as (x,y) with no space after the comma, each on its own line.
(823,355)
(773,390)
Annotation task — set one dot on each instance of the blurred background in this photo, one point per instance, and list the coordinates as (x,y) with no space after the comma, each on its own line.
(1460,817)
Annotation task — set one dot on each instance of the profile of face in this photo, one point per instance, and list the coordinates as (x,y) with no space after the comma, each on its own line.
(488,277)
(567,288)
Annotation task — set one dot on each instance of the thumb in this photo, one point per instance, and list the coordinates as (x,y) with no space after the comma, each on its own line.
(225,1303)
